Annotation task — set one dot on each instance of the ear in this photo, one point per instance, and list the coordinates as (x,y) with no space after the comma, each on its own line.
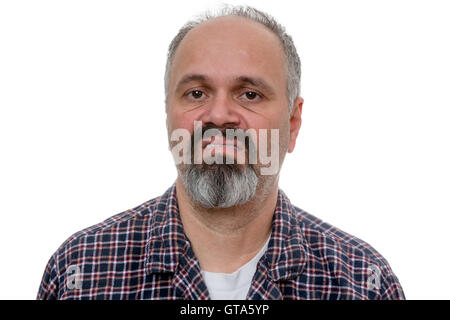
(295,122)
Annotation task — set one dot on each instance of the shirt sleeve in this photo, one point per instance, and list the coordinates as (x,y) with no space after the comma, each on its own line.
(48,289)
(391,288)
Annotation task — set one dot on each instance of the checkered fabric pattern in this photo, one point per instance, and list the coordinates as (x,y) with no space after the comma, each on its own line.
(143,253)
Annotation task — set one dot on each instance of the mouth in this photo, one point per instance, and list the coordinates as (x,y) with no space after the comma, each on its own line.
(220,144)
(219,147)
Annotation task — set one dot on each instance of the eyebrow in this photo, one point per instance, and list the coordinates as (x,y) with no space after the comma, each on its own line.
(189,78)
(255,81)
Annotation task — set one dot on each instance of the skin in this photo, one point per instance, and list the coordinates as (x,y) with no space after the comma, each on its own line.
(216,58)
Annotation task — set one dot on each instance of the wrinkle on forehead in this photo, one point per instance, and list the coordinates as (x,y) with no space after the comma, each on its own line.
(225,44)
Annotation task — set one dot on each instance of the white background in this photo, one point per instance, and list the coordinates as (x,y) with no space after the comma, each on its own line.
(82,125)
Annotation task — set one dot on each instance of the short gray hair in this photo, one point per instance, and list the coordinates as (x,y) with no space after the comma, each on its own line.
(292,58)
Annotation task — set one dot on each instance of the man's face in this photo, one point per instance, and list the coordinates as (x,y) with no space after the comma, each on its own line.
(230,72)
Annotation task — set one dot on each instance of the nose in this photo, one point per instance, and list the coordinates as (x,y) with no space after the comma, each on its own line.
(220,112)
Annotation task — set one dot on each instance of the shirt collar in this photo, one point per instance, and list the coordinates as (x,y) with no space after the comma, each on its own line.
(285,257)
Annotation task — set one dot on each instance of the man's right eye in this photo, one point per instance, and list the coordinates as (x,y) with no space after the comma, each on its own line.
(196,94)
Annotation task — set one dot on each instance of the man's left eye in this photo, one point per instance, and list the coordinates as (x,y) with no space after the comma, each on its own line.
(251,95)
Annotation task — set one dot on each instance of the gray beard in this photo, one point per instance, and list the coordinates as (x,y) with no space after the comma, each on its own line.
(219,185)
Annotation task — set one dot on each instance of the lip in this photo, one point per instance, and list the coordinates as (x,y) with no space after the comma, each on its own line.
(220,142)
(223,147)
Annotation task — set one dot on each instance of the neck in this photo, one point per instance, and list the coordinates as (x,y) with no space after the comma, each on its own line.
(224,239)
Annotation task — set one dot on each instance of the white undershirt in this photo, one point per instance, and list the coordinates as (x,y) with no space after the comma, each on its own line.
(233,286)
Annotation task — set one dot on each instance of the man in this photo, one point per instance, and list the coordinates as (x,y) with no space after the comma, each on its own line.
(224,230)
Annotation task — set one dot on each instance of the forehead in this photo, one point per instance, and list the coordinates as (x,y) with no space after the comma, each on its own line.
(230,47)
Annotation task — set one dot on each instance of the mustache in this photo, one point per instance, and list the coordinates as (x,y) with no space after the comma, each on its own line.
(247,142)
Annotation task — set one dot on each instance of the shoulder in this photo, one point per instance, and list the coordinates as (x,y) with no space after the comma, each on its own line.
(348,259)
(119,225)
(319,232)
(123,234)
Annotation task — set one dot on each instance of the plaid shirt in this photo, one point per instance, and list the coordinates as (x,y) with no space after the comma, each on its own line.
(143,253)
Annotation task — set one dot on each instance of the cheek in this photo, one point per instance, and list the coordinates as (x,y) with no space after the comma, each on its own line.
(284,139)
(273,117)
(177,120)
(283,136)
